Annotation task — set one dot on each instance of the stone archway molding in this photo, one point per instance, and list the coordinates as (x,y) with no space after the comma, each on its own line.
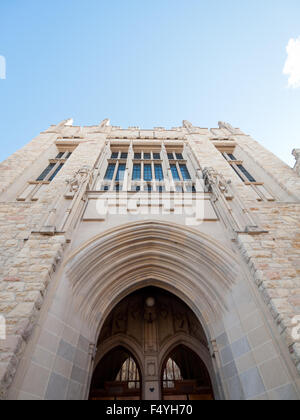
(192,265)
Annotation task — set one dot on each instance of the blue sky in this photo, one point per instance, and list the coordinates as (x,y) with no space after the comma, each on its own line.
(149,63)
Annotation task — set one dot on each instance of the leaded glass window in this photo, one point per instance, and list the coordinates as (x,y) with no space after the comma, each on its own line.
(136,173)
(159,176)
(185,173)
(110,171)
(175,173)
(147,173)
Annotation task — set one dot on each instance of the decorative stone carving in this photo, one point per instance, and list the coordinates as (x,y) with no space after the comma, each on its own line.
(74,186)
(190,128)
(227,203)
(296,154)
(59,127)
(227,126)
(212,177)
(188,125)
(104,123)
(79,177)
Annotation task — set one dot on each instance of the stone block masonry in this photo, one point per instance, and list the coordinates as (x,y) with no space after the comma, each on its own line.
(29,259)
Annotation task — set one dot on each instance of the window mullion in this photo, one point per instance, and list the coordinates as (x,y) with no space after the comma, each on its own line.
(240,172)
(52,171)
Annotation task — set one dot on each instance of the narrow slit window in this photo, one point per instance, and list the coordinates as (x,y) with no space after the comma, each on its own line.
(46,172)
(237,172)
(246,173)
(56,172)
(231,156)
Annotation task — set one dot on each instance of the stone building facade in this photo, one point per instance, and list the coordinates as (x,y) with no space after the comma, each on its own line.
(151,252)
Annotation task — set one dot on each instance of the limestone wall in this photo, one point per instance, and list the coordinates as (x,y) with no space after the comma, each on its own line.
(28,258)
(274,260)
(14,166)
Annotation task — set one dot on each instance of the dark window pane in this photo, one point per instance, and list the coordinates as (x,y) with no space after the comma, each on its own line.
(137,156)
(170,156)
(60,155)
(246,173)
(185,173)
(147,156)
(117,187)
(159,176)
(110,171)
(231,156)
(160,189)
(56,172)
(114,155)
(149,187)
(124,155)
(156,156)
(147,173)
(175,173)
(46,172)
(179,156)
(237,172)
(106,188)
(136,173)
(121,172)
(68,155)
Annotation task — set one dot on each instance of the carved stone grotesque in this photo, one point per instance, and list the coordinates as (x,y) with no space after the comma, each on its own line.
(188,125)
(79,177)
(104,123)
(212,177)
(296,154)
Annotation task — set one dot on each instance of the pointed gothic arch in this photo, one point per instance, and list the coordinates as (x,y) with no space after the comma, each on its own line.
(184,261)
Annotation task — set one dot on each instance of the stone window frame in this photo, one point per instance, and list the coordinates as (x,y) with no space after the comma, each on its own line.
(258,187)
(32,189)
(156,155)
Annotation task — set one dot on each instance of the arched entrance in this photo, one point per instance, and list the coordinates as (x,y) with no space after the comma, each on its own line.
(185,377)
(152,346)
(108,270)
(117,377)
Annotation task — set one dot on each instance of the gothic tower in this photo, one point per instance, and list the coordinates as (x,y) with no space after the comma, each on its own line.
(149,264)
